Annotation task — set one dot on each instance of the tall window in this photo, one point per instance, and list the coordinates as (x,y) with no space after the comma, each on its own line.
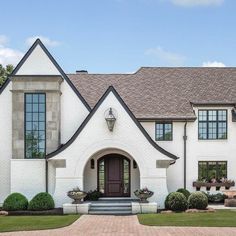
(163,131)
(209,170)
(212,124)
(35,122)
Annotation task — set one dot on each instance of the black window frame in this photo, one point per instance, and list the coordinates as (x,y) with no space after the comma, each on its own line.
(217,169)
(217,121)
(45,122)
(164,138)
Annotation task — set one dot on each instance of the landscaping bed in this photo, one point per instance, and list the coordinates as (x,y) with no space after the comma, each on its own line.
(55,211)
(220,218)
(23,223)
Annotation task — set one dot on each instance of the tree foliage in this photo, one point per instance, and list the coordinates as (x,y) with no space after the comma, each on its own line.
(5,72)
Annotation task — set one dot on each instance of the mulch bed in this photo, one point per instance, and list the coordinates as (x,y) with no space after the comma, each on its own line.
(56,211)
(208,210)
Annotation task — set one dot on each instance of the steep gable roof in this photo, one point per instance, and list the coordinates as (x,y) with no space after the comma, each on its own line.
(36,44)
(139,126)
(163,93)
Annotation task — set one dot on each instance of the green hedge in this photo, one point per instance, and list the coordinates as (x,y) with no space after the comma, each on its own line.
(185,192)
(15,202)
(42,201)
(198,200)
(176,202)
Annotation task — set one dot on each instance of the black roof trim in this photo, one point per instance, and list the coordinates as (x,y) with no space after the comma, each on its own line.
(213,103)
(7,81)
(179,119)
(39,42)
(112,89)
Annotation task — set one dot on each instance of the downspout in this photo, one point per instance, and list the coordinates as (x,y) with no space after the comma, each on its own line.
(185,149)
(46,174)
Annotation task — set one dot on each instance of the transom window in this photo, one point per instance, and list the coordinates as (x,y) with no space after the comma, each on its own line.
(163,131)
(212,124)
(35,122)
(209,170)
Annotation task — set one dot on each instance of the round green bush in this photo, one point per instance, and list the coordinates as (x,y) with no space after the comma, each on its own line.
(15,202)
(176,202)
(40,202)
(167,201)
(185,192)
(198,200)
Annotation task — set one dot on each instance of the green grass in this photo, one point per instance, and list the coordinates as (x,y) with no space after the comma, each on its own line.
(221,218)
(19,223)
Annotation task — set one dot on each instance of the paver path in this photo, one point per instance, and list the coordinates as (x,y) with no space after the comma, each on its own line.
(123,225)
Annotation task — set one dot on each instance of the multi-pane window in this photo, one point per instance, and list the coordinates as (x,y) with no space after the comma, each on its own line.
(35,122)
(163,131)
(212,124)
(209,170)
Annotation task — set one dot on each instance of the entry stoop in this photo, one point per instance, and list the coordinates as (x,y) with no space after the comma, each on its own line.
(111,206)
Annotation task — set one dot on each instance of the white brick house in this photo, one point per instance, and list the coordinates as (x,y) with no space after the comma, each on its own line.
(173,126)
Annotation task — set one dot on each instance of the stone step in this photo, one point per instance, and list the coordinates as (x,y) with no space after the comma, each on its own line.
(109,204)
(110,208)
(110,212)
(118,199)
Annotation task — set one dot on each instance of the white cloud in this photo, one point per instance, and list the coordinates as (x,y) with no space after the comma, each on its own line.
(8,55)
(193,3)
(46,41)
(3,40)
(213,64)
(167,57)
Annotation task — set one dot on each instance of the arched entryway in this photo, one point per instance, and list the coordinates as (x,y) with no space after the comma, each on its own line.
(122,165)
(113,175)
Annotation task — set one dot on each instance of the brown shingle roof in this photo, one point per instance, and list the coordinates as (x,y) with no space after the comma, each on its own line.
(161,93)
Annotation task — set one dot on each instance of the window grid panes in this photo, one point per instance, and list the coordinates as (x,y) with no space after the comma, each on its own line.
(212,124)
(126,176)
(163,131)
(208,170)
(35,121)
(101,173)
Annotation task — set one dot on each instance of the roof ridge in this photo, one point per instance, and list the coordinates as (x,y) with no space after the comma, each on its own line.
(160,67)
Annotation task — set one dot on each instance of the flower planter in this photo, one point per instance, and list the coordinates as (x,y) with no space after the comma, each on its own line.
(77,195)
(227,185)
(143,195)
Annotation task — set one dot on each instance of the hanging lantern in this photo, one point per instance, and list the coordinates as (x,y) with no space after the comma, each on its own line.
(110,119)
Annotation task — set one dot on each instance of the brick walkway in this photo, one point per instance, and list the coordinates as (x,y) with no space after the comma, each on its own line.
(123,225)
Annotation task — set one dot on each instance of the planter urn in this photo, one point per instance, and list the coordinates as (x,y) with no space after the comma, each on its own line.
(143,195)
(77,195)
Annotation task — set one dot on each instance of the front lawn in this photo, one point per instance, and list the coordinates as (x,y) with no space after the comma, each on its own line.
(221,218)
(19,223)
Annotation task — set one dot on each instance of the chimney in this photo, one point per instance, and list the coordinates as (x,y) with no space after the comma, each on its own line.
(81,72)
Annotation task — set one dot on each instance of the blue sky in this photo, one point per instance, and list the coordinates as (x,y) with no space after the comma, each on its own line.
(119,36)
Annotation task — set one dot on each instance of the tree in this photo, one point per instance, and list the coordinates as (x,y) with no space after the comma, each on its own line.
(5,72)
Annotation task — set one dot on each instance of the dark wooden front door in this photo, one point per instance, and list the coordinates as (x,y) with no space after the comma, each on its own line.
(114,172)
(116,176)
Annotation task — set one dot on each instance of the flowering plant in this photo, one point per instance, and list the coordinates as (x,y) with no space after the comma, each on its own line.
(143,191)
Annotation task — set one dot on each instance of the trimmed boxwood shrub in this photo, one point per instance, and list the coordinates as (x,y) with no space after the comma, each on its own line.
(15,202)
(198,200)
(176,202)
(42,201)
(167,201)
(185,192)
